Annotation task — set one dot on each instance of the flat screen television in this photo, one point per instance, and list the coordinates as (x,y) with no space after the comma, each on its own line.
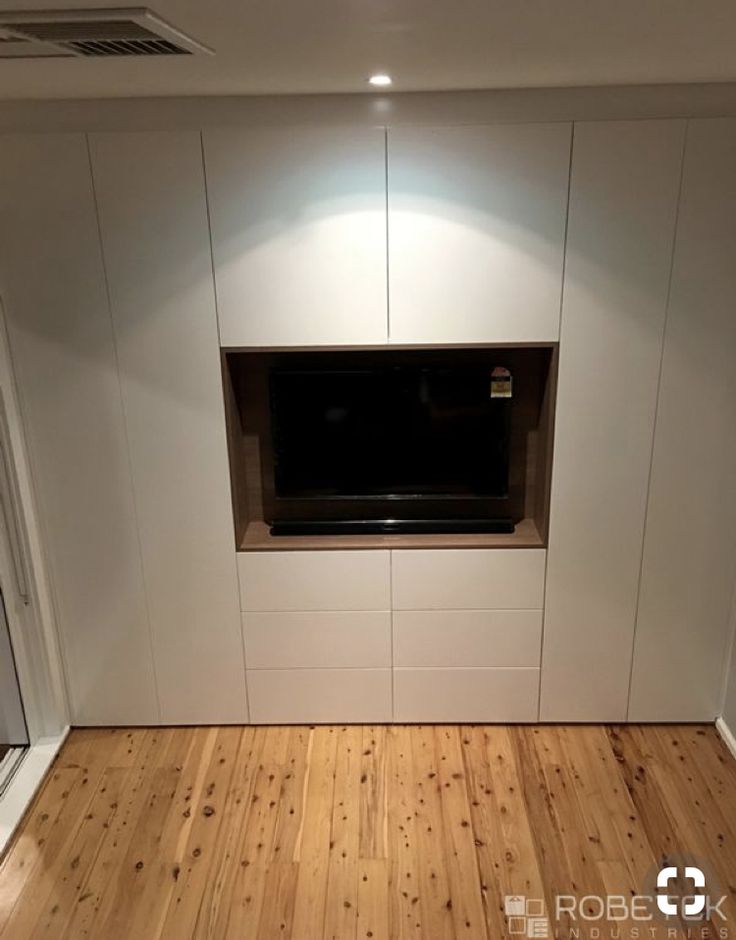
(388,441)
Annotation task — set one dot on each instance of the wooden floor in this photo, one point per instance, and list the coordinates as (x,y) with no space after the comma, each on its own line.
(352,832)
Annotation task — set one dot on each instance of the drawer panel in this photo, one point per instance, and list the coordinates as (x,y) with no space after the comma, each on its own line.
(314,639)
(359,580)
(465,695)
(467,637)
(482,579)
(299,696)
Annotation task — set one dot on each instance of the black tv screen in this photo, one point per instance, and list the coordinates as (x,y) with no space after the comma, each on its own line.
(403,431)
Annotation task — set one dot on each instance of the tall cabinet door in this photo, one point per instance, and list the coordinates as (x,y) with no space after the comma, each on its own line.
(299,234)
(476,232)
(153,222)
(690,544)
(53,287)
(623,201)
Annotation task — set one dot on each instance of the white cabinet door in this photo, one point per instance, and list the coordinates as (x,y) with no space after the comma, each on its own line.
(301,581)
(153,221)
(467,578)
(623,200)
(476,232)
(298,234)
(53,287)
(466,695)
(317,639)
(460,638)
(306,696)
(690,544)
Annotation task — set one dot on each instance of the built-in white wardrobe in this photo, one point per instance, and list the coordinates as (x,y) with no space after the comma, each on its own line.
(129,260)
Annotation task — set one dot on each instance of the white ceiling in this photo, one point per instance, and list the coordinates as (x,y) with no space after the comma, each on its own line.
(295,46)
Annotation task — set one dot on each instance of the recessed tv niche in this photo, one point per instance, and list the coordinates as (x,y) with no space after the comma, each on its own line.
(405,442)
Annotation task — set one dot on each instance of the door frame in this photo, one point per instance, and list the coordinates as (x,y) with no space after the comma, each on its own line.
(29,605)
(12,715)
(30,612)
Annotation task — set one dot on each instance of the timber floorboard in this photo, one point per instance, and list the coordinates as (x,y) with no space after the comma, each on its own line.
(369,832)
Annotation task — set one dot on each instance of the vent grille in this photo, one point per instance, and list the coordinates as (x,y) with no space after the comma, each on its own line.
(97,33)
(106,47)
(63,31)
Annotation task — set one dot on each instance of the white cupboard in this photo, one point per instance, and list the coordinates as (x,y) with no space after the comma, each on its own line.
(315,580)
(448,638)
(467,628)
(448,579)
(623,202)
(401,634)
(53,287)
(306,696)
(323,237)
(689,561)
(317,639)
(476,232)
(466,695)
(317,631)
(298,220)
(153,224)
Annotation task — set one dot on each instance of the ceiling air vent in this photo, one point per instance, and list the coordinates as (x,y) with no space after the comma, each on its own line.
(92,33)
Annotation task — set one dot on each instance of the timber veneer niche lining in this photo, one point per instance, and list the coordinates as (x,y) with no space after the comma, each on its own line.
(245,380)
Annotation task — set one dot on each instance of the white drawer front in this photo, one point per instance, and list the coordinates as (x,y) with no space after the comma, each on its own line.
(467,637)
(465,695)
(315,580)
(314,639)
(485,579)
(298,696)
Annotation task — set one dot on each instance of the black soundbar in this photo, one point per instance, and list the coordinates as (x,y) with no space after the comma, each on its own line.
(391,526)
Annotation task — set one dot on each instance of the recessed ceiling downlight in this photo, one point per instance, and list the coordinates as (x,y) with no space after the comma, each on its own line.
(380,80)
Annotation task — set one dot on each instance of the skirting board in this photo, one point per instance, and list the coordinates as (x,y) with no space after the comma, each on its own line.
(728,736)
(26,781)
